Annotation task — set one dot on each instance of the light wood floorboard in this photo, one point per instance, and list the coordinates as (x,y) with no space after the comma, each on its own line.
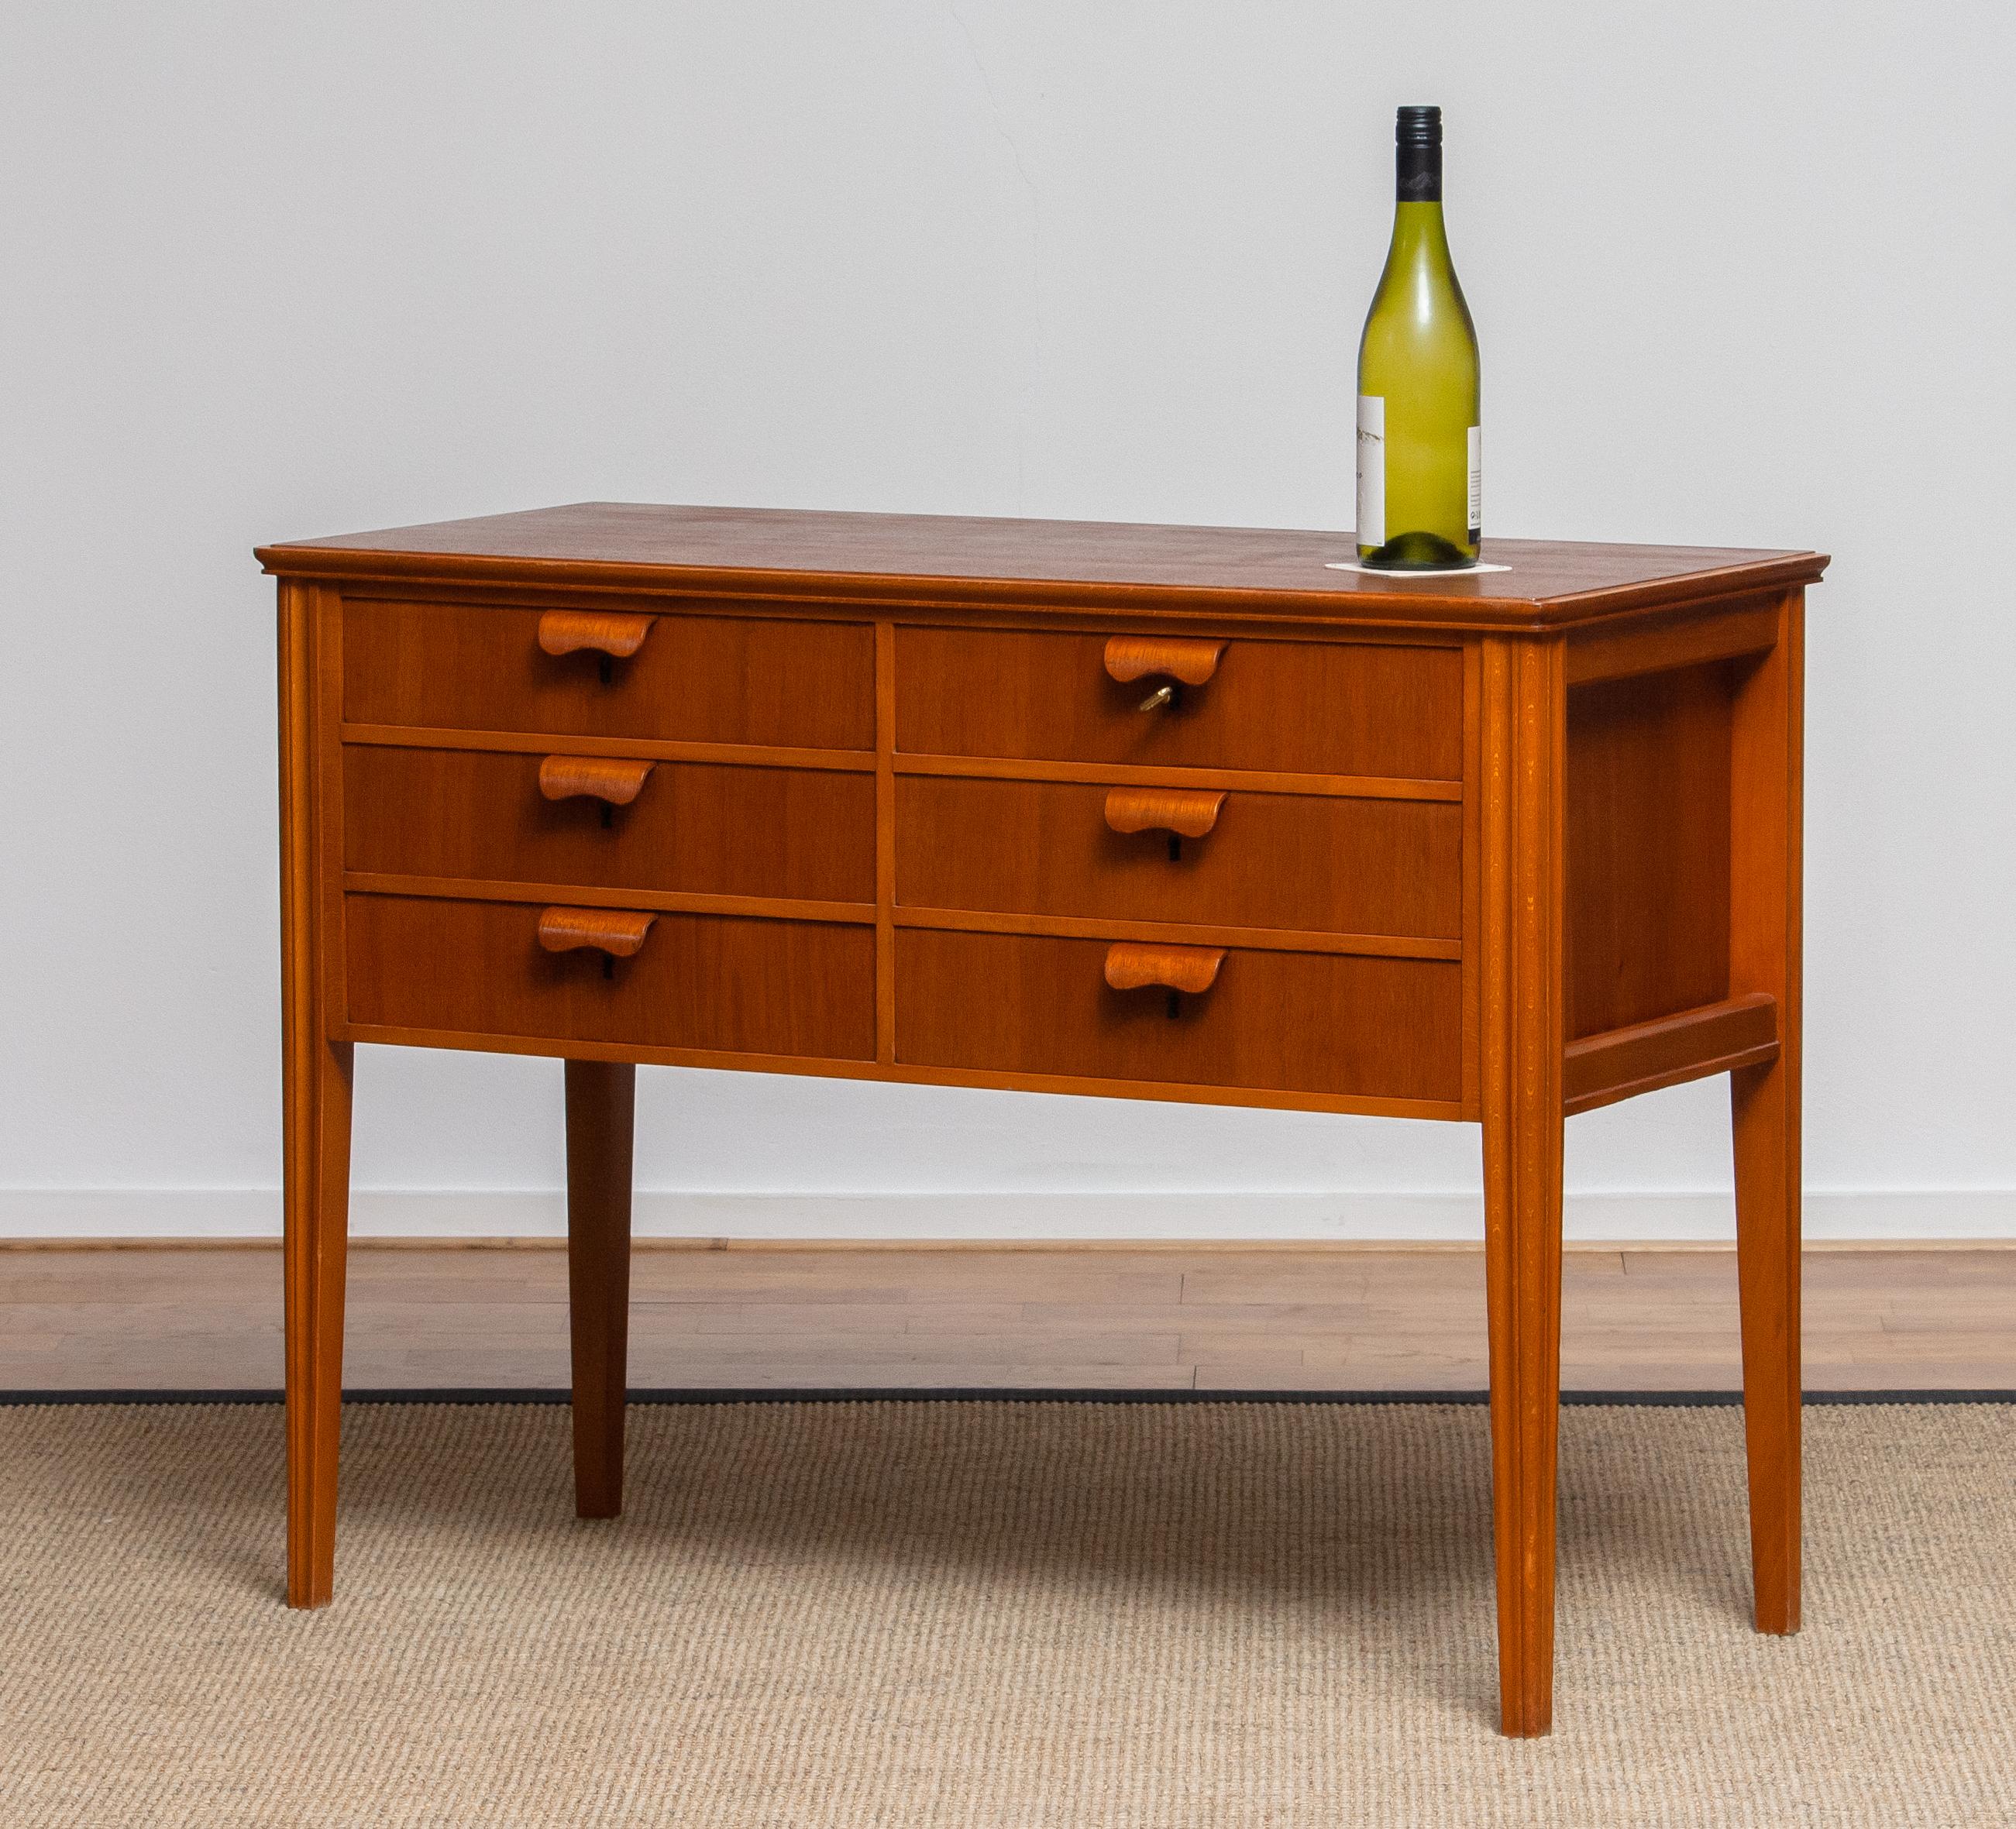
(1213,1318)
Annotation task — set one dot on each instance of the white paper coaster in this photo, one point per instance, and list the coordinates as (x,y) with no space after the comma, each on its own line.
(1391,571)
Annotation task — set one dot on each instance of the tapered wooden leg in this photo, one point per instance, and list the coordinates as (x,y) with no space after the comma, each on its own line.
(315,1086)
(601,1105)
(1765,790)
(1522,1038)
(1765,1102)
(317,1079)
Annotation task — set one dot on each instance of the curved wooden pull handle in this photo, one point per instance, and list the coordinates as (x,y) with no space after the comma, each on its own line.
(1131,964)
(1162,809)
(561,632)
(619,932)
(1135,656)
(592,777)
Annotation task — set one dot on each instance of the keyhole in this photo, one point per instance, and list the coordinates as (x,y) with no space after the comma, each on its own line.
(1176,847)
(608,815)
(608,965)
(1175,1005)
(606,668)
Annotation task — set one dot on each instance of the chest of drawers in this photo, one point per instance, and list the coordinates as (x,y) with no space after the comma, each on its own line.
(1172,813)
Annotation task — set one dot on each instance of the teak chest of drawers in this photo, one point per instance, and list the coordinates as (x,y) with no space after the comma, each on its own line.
(1162,812)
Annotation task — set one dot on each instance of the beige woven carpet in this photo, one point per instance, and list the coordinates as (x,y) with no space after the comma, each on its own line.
(992,1616)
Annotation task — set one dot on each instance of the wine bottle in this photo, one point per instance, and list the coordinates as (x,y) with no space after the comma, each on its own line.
(1419,442)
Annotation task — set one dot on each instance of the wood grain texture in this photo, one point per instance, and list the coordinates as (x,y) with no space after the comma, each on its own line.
(1765,949)
(1648,846)
(601,1119)
(1232,780)
(1333,708)
(753,553)
(1307,1022)
(1188,812)
(621,933)
(1078,1084)
(315,1093)
(1495,846)
(568,632)
(679,902)
(603,778)
(963,1312)
(1185,659)
(533,742)
(799,834)
(1172,933)
(1618,1063)
(1311,862)
(1131,965)
(1472,956)
(705,982)
(885,841)
(702,678)
(1524,1036)
(1690,636)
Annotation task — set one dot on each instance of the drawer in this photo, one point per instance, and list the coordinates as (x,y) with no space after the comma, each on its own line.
(703,982)
(1301,707)
(1319,862)
(690,678)
(1304,1022)
(698,827)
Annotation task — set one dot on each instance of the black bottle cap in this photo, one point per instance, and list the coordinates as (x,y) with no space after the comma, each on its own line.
(1418,127)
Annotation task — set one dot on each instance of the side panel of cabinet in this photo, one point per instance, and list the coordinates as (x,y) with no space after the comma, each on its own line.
(1648,845)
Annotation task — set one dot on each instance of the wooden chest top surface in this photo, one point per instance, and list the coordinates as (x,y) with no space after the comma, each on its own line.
(757,553)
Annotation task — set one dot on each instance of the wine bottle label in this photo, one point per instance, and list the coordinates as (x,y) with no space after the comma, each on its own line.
(1372,470)
(1476,484)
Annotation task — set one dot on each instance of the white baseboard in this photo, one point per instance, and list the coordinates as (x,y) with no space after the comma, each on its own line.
(239,1213)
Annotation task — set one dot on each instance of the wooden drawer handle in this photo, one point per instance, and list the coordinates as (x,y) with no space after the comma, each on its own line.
(1130,658)
(1162,809)
(592,777)
(619,932)
(1130,965)
(561,632)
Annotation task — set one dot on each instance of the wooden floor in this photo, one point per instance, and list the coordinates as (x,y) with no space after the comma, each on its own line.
(1211,1318)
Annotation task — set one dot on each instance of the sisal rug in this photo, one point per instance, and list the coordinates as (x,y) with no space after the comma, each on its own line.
(992,1615)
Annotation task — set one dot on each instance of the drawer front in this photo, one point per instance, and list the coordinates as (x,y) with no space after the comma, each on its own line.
(1303,1022)
(692,679)
(1301,707)
(702,828)
(702,982)
(1317,863)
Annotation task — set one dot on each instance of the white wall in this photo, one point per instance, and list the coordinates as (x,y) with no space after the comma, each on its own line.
(1743,274)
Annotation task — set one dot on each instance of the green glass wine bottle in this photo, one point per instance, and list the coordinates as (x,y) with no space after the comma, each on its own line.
(1419,442)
